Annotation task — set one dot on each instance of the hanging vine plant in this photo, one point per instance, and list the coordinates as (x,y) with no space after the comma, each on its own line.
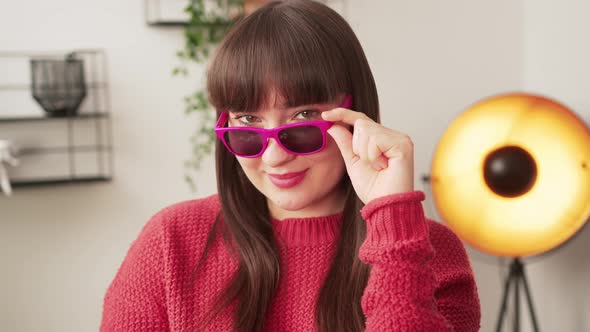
(209,21)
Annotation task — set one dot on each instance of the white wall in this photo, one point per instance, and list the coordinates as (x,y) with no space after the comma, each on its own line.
(60,246)
(557,64)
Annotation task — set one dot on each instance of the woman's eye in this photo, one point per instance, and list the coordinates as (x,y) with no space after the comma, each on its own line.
(247,119)
(307,114)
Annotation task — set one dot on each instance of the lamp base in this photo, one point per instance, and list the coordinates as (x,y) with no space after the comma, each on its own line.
(516,276)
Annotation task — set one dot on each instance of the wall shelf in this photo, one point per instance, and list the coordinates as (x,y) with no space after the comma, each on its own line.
(62,149)
(47,118)
(61,181)
(56,150)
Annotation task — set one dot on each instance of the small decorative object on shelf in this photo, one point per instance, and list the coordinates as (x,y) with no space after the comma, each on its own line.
(58,84)
(7,151)
(55,106)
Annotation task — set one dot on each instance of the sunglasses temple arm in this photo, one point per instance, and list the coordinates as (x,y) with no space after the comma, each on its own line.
(347,102)
(222,120)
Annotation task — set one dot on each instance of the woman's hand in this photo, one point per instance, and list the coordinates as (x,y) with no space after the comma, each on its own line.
(379,160)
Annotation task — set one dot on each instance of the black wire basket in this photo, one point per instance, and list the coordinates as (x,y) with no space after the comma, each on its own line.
(58,85)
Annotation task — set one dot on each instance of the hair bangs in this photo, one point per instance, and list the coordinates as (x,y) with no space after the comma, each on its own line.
(278,53)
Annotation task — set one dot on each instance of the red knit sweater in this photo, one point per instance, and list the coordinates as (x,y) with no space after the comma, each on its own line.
(421,279)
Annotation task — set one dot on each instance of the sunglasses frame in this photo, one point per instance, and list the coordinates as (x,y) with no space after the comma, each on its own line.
(266,134)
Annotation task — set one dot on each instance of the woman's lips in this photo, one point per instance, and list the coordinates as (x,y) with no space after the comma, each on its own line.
(287,180)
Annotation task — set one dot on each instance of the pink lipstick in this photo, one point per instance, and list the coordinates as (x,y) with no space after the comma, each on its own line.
(287,180)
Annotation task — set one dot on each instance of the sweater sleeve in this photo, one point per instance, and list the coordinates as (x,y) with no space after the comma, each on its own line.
(135,299)
(403,292)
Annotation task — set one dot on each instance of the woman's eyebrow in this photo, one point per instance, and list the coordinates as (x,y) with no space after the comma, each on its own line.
(236,111)
(286,108)
(316,106)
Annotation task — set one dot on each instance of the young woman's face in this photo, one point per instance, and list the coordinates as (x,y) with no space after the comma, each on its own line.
(313,192)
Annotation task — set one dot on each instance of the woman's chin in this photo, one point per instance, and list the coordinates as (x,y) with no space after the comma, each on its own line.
(289,201)
(289,204)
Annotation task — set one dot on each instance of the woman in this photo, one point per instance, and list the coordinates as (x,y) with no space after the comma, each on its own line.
(316,225)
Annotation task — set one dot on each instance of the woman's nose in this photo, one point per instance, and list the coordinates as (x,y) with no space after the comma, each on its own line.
(275,155)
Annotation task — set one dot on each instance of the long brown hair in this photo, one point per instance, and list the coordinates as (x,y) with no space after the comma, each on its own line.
(308,54)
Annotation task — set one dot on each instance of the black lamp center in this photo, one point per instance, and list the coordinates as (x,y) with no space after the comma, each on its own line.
(510,171)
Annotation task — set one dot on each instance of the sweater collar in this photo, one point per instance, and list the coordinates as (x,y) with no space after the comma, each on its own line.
(308,231)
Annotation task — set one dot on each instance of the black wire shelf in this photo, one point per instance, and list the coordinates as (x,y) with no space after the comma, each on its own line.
(16,87)
(79,143)
(41,117)
(58,181)
(63,149)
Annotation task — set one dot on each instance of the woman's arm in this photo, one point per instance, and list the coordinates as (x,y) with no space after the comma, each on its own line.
(135,300)
(404,291)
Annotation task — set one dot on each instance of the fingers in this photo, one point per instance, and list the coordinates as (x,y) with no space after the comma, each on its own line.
(343,138)
(355,143)
(366,144)
(360,140)
(362,145)
(372,150)
(374,155)
(370,142)
(345,115)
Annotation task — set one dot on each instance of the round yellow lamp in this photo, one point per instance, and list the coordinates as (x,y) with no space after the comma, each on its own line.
(511,175)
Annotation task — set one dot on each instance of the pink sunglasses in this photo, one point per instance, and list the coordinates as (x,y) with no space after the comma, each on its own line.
(299,138)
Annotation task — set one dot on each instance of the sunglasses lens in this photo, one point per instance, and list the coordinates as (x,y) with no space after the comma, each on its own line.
(304,139)
(244,142)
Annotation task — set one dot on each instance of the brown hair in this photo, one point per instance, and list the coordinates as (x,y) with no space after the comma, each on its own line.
(308,54)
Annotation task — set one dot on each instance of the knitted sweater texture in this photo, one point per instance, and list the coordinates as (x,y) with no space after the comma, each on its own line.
(420,280)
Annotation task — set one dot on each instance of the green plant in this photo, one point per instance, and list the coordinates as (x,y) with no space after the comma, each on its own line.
(209,20)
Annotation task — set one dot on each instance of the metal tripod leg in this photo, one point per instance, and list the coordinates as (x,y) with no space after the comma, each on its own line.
(514,276)
(530,301)
(507,283)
